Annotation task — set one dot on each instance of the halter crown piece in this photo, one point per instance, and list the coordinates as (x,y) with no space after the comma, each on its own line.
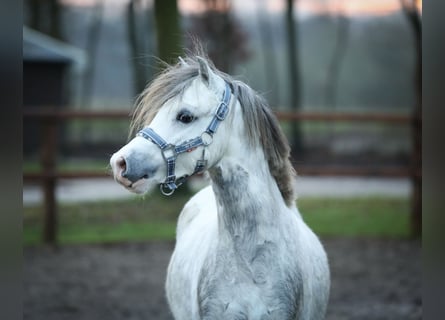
(170,152)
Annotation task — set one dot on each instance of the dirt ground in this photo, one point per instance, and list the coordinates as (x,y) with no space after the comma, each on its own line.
(371,279)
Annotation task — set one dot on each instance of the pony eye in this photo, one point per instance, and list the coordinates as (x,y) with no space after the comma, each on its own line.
(185,117)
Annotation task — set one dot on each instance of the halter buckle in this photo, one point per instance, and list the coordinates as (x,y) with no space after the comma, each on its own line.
(221,112)
(169,152)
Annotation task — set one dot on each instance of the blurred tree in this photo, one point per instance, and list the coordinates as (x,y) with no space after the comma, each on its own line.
(269,55)
(296,139)
(139,23)
(138,75)
(334,68)
(45,17)
(91,46)
(220,34)
(167,30)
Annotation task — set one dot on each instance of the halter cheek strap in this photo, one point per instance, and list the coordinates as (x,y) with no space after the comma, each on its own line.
(170,152)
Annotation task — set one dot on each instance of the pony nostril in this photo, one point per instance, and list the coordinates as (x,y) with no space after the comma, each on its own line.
(121,164)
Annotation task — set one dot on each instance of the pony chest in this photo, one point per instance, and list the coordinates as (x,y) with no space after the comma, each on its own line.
(247,285)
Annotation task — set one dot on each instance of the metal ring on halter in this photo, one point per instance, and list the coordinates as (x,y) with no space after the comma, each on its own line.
(163,187)
(207,138)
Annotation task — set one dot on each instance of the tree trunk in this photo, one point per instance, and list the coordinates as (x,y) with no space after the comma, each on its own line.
(139,79)
(54,13)
(270,66)
(168,31)
(35,14)
(91,46)
(336,61)
(45,17)
(296,135)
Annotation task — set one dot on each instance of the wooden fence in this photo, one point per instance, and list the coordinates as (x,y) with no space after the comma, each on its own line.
(48,176)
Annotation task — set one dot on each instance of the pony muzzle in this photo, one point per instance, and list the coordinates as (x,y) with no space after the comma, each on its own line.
(127,171)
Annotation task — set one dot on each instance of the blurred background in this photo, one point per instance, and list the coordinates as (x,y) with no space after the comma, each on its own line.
(306,55)
(343,77)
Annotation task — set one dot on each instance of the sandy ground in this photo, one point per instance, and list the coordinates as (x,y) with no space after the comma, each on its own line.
(371,279)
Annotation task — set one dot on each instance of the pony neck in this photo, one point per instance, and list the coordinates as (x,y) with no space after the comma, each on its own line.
(247,195)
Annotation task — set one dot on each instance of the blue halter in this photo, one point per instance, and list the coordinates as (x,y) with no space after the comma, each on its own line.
(170,151)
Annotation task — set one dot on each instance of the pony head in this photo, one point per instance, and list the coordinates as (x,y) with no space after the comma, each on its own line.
(175,113)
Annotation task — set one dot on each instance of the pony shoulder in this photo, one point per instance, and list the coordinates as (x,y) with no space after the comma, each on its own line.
(199,209)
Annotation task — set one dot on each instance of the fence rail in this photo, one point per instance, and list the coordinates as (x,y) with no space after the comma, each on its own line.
(344,117)
(50,118)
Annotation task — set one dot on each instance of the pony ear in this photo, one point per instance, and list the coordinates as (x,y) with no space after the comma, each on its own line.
(182,62)
(208,76)
(204,70)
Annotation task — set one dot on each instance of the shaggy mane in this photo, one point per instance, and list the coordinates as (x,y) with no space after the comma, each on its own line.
(262,127)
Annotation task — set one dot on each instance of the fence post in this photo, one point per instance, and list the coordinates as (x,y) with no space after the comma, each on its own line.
(416,24)
(48,157)
(416,176)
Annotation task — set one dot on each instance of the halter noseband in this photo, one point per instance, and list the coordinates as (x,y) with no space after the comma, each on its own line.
(170,151)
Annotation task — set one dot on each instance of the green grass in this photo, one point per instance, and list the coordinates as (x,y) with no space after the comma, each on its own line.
(30,166)
(154,218)
(375,216)
(77,234)
(139,219)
